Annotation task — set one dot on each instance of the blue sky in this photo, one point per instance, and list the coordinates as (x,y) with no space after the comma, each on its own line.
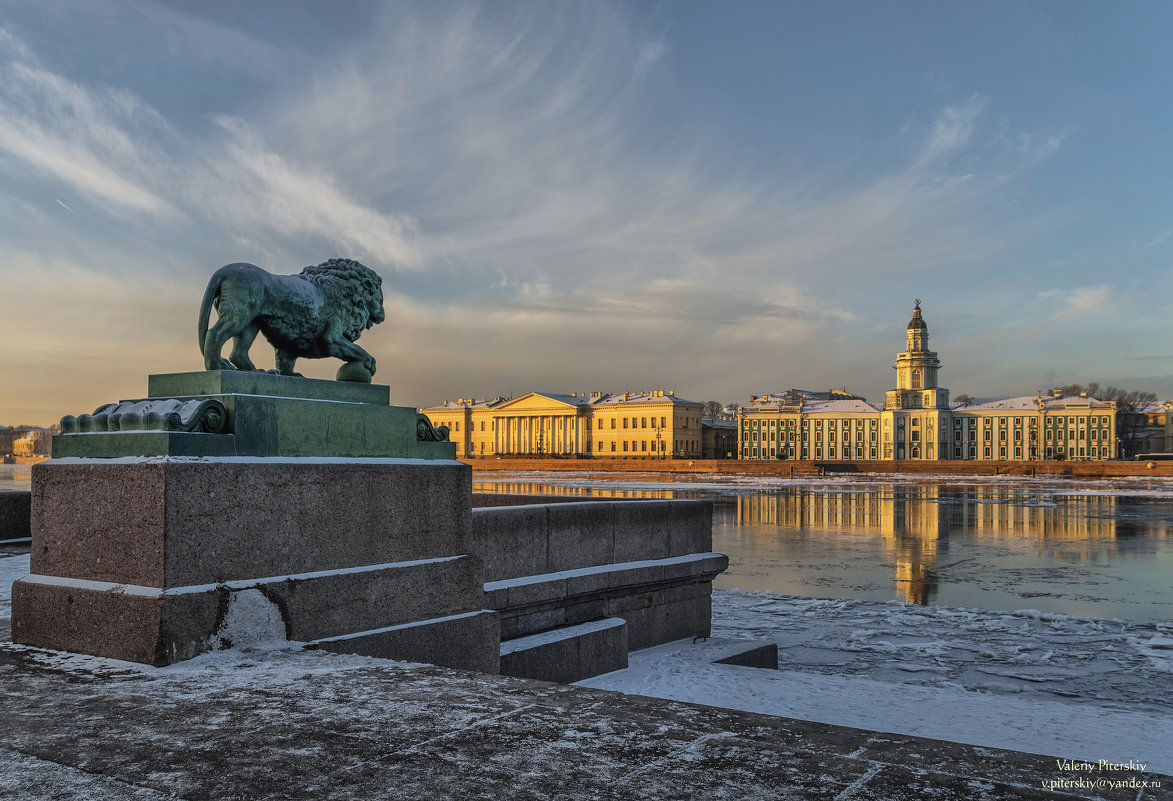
(720,198)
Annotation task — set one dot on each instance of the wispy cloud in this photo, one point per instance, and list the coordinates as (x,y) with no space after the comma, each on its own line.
(500,171)
(1080,301)
(951,130)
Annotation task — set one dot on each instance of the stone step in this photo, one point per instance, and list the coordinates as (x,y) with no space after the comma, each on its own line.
(568,654)
(468,641)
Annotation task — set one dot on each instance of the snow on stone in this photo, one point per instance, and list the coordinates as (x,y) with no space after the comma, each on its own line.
(547,637)
(251,620)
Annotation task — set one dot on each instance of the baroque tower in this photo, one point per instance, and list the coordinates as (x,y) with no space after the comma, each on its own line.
(916,371)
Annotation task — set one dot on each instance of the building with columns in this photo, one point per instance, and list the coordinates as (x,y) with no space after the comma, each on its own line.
(652,424)
(918,421)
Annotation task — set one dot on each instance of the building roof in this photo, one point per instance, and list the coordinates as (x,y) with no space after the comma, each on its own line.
(807,402)
(917,321)
(1027,403)
(853,406)
(794,396)
(655,396)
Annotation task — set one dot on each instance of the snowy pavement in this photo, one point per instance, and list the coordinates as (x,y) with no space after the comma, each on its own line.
(1074,688)
(1078,688)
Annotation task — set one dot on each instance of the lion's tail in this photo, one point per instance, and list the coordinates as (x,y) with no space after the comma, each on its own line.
(211,295)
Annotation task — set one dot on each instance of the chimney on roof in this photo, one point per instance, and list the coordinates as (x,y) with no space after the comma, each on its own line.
(1083,393)
(671,393)
(1056,393)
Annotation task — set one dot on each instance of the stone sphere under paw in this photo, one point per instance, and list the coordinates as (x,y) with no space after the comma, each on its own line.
(354,371)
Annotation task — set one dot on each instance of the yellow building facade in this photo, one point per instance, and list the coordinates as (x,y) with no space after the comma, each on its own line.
(631,425)
(918,421)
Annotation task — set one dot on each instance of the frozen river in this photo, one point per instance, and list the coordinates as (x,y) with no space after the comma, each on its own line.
(1091,548)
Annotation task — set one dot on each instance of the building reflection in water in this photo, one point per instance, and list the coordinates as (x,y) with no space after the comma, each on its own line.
(914,523)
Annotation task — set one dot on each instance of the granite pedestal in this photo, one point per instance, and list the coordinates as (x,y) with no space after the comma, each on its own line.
(351,517)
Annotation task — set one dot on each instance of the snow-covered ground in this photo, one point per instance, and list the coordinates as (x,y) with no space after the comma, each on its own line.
(1072,687)
(1080,688)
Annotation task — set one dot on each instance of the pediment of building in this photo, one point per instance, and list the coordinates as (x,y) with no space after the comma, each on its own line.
(537,402)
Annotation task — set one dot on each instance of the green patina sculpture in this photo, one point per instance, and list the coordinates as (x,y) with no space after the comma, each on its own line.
(316,314)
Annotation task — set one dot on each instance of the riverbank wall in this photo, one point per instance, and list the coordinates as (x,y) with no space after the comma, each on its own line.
(807,468)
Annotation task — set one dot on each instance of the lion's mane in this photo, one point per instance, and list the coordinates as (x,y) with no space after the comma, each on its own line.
(349,286)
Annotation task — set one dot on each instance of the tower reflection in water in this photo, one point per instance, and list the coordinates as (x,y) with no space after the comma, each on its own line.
(915,523)
(822,530)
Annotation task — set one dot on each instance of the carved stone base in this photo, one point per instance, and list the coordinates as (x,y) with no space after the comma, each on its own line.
(236,413)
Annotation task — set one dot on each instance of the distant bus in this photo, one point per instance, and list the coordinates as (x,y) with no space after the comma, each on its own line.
(1154,457)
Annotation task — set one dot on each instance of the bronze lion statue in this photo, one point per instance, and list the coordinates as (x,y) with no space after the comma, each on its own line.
(315,314)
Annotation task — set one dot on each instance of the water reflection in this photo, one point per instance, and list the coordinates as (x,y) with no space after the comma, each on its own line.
(1056,546)
(914,524)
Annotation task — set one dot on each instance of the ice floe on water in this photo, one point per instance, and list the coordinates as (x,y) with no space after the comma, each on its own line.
(1026,653)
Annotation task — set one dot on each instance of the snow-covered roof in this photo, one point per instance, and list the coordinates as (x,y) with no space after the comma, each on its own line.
(709,422)
(833,402)
(793,396)
(465,403)
(1024,403)
(854,406)
(1029,403)
(657,396)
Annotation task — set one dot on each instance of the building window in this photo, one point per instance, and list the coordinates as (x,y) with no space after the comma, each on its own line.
(625,422)
(625,446)
(987,451)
